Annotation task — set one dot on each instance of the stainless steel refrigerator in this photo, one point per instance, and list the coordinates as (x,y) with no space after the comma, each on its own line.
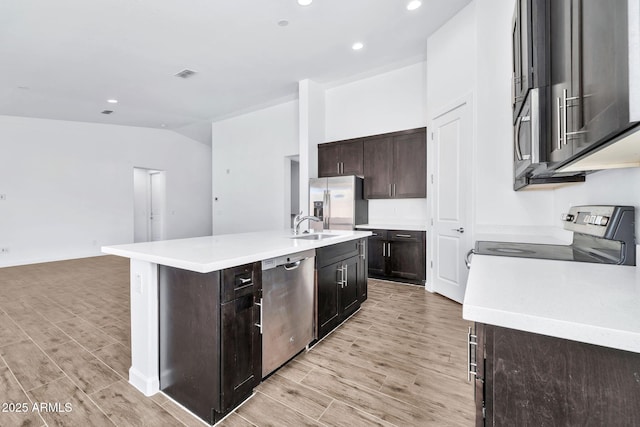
(338,201)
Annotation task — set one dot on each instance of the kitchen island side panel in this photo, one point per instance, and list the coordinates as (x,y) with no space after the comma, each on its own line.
(189,340)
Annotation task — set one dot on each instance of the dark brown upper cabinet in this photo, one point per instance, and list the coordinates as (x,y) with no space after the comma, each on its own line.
(395,165)
(593,47)
(340,158)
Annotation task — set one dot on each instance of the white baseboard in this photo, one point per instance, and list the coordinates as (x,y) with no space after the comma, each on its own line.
(148,386)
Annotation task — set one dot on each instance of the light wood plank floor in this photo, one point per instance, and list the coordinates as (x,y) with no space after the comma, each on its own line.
(64,338)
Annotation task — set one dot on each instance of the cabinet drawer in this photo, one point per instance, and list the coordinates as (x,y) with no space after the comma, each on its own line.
(404,236)
(338,252)
(240,281)
(378,235)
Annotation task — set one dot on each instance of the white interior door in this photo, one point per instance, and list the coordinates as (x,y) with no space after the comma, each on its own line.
(451,234)
(156,205)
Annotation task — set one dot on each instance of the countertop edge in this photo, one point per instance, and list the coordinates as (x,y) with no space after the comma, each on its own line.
(389,226)
(207,267)
(573,331)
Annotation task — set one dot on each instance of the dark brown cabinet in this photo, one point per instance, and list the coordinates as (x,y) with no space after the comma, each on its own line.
(340,158)
(530,379)
(395,165)
(398,255)
(589,58)
(210,344)
(341,283)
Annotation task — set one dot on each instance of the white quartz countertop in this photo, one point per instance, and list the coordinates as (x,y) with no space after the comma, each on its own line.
(211,253)
(593,303)
(389,226)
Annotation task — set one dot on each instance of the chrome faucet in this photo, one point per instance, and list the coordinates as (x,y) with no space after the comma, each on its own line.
(299,219)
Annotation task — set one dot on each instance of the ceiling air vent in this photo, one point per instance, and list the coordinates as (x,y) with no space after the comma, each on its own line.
(107,111)
(185,74)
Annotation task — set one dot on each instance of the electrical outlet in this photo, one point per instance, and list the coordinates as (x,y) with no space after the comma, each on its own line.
(3,197)
(4,250)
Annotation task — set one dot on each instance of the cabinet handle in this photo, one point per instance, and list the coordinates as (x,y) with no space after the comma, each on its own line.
(342,168)
(245,281)
(384,249)
(338,165)
(346,274)
(389,249)
(559,120)
(363,249)
(472,366)
(390,191)
(408,236)
(394,189)
(259,325)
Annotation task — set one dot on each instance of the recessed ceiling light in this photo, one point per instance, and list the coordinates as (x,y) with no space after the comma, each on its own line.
(305,2)
(357,46)
(283,23)
(107,111)
(414,4)
(163,125)
(112,101)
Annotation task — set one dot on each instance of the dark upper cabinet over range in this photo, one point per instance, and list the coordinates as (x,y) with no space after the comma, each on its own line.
(394,165)
(586,55)
(590,53)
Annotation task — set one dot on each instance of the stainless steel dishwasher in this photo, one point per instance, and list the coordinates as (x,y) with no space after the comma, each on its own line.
(287,307)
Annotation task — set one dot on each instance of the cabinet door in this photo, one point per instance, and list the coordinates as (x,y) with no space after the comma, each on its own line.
(351,156)
(602,51)
(328,164)
(561,54)
(376,253)
(378,168)
(350,273)
(410,166)
(363,270)
(542,380)
(407,259)
(240,350)
(328,298)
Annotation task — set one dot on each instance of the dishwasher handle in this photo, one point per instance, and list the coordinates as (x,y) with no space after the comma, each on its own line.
(292,265)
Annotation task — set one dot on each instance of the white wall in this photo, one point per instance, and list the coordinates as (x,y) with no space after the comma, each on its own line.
(606,187)
(69,186)
(249,177)
(471,56)
(391,101)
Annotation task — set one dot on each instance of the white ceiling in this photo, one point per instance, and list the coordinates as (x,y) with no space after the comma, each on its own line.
(63,59)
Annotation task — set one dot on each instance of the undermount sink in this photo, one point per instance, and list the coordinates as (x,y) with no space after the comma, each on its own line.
(314,236)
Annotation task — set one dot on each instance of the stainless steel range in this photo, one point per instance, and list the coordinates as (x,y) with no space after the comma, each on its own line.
(601,234)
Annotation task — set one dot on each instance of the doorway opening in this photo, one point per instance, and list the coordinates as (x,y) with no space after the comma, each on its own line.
(291,189)
(149,207)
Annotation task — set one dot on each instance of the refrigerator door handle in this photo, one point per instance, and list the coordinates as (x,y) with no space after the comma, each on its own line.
(328,206)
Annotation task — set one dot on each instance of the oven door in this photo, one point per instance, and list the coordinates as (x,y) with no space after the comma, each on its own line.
(527,143)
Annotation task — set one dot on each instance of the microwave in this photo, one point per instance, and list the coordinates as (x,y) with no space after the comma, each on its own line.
(530,145)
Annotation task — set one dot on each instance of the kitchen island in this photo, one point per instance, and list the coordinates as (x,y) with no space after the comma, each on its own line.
(555,342)
(200,255)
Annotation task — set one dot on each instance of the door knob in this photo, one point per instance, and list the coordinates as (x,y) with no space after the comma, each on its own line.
(459,230)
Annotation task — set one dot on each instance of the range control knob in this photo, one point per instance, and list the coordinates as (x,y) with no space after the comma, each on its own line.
(602,220)
(567,217)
